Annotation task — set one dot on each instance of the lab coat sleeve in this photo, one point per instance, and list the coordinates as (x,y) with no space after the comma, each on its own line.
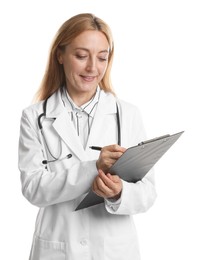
(42,187)
(135,197)
(140,196)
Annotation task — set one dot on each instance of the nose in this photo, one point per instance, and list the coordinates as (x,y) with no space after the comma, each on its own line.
(91,64)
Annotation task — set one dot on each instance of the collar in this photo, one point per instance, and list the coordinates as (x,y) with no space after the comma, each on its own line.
(88,107)
(55,105)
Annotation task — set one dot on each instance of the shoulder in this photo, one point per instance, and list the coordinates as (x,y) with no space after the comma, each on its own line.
(109,97)
(128,108)
(125,108)
(36,109)
(133,130)
(126,104)
(29,117)
(33,110)
(131,115)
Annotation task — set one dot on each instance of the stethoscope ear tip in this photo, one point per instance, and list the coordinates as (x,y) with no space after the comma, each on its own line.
(69,156)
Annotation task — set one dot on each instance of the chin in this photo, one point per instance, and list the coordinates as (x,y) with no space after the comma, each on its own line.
(89,88)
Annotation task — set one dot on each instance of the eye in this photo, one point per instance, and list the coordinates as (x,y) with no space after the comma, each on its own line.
(81,57)
(103,58)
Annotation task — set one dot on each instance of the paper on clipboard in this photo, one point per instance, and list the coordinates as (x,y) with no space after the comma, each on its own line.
(135,163)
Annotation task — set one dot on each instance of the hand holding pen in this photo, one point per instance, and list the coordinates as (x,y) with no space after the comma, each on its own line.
(108,156)
(106,185)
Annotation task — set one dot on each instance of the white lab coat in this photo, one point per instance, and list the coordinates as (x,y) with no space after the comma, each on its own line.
(102,232)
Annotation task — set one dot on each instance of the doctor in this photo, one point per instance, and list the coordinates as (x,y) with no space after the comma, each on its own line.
(78,109)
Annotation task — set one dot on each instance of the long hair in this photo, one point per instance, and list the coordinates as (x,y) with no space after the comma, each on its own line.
(54,76)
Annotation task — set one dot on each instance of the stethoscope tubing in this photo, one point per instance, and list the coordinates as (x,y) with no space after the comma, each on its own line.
(56,158)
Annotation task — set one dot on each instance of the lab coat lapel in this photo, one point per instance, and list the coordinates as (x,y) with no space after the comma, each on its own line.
(106,105)
(67,132)
(63,125)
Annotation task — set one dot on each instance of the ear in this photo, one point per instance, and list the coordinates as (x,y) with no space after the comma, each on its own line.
(59,56)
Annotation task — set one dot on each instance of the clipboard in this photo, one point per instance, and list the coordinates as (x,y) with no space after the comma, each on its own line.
(135,163)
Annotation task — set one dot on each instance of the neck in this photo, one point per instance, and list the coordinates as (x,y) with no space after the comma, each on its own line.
(81,98)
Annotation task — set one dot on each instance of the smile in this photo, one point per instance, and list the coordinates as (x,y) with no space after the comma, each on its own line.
(88,78)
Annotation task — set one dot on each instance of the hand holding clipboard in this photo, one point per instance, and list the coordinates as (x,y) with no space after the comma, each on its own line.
(135,163)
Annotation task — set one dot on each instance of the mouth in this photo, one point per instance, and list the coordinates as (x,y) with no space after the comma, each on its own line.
(88,78)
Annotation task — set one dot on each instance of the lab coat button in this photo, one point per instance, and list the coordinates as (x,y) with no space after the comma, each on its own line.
(83,242)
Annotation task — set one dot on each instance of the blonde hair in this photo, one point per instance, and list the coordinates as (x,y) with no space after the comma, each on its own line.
(54,76)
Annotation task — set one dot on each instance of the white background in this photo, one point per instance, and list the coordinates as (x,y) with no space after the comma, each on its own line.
(155,68)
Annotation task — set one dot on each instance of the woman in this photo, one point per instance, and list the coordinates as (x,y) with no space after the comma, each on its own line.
(77,109)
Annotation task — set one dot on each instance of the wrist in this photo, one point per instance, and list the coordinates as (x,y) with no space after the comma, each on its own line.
(116,197)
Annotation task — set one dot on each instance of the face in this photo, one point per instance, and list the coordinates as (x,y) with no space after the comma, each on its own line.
(85,61)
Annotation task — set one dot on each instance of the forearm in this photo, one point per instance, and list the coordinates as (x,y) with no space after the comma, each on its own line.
(43,188)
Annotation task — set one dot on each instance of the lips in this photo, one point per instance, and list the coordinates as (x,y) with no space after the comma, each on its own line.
(88,78)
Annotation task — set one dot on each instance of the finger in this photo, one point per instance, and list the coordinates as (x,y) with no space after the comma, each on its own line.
(114,178)
(114,148)
(106,153)
(103,187)
(95,187)
(115,155)
(113,182)
(107,181)
(100,188)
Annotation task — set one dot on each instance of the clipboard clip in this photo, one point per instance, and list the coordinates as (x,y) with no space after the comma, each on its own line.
(153,140)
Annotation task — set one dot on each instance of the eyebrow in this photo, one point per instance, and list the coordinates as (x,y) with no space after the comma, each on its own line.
(85,49)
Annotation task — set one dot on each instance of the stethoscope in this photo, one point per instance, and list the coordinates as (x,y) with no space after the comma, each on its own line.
(68,156)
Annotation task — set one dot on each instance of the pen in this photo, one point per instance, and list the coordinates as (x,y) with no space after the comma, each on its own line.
(98,148)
